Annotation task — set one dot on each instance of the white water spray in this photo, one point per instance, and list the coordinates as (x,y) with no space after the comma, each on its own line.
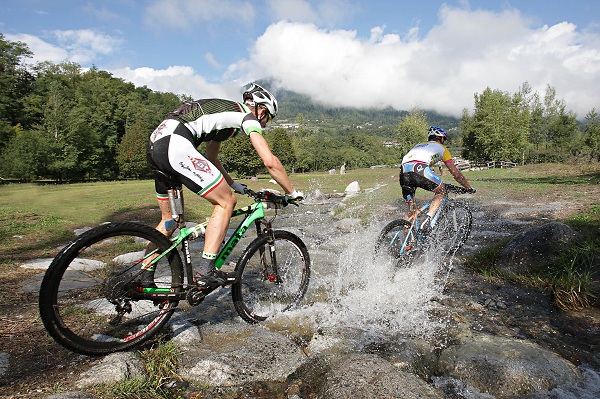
(365,297)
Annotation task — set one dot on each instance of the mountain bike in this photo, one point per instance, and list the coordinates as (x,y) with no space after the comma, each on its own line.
(92,299)
(405,241)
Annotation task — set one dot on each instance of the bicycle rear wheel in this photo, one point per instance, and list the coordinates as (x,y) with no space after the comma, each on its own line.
(88,296)
(453,227)
(272,277)
(393,237)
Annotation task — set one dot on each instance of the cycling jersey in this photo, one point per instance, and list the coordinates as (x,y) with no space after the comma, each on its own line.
(428,153)
(211,120)
(172,145)
(416,172)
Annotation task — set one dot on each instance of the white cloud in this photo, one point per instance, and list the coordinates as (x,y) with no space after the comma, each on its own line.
(465,53)
(42,50)
(85,45)
(178,80)
(80,46)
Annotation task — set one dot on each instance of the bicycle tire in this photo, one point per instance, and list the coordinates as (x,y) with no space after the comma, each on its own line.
(391,239)
(453,227)
(261,292)
(92,277)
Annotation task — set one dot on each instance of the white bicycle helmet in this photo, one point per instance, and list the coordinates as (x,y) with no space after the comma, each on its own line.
(437,132)
(260,96)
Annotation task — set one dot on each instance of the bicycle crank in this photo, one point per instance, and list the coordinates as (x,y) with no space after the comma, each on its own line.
(195,296)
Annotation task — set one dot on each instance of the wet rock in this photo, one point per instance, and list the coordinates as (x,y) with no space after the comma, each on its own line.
(113,368)
(527,249)
(365,376)
(348,225)
(238,354)
(505,367)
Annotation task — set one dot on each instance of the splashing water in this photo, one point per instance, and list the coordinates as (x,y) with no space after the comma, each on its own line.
(366,297)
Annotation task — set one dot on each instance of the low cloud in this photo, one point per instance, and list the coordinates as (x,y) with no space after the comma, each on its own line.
(178,80)
(465,53)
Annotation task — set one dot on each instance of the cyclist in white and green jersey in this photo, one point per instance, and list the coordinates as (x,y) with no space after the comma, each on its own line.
(172,150)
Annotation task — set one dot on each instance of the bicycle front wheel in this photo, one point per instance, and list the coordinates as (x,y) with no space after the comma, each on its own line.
(272,276)
(90,298)
(453,227)
(399,241)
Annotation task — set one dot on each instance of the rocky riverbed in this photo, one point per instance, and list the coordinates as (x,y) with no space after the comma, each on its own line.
(367,329)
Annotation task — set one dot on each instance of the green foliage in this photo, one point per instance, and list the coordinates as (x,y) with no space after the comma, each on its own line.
(412,130)
(16,81)
(592,134)
(239,157)
(498,129)
(281,145)
(160,362)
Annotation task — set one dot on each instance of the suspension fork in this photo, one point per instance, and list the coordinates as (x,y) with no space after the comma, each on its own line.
(268,257)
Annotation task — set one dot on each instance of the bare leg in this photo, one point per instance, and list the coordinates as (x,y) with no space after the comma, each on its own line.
(439,194)
(224,201)
(411,208)
(147,276)
(165,210)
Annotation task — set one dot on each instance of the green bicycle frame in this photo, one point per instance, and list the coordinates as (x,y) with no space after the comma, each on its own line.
(253,212)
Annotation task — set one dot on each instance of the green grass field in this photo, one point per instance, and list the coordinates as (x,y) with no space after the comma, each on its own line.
(34,219)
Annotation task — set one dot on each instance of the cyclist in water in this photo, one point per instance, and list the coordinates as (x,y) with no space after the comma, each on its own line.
(172,150)
(416,172)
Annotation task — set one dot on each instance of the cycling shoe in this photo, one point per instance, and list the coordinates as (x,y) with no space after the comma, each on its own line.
(210,281)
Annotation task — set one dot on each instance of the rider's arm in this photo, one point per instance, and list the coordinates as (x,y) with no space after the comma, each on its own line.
(272,163)
(457,174)
(212,154)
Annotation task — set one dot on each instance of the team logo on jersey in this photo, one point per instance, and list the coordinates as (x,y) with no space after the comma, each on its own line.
(200,164)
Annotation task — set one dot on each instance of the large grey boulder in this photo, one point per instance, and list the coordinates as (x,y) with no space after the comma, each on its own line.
(237,354)
(506,367)
(529,248)
(366,376)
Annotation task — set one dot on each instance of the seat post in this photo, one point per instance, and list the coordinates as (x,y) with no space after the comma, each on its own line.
(176,204)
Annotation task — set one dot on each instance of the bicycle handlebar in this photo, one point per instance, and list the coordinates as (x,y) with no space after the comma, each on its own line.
(451,188)
(270,196)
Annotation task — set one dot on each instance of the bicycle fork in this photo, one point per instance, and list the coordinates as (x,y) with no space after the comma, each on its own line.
(268,256)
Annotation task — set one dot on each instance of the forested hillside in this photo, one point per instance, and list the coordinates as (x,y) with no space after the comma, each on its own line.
(60,122)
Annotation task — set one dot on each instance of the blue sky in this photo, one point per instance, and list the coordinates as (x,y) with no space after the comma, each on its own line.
(364,53)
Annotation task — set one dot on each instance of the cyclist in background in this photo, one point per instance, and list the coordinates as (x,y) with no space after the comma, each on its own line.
(416,172)
(172,150)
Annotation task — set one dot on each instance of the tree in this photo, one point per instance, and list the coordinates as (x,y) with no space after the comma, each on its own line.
(23,157)
(592,134)
(16,83)
(281,145)
(412,130)
(498,129)
(239,157)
